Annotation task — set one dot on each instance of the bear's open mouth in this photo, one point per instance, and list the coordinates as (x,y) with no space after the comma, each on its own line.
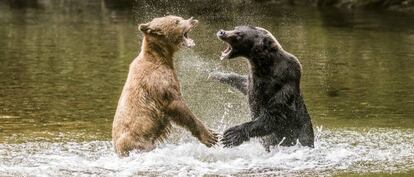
(188,42)
(191,23)
(226,53)
(224,36)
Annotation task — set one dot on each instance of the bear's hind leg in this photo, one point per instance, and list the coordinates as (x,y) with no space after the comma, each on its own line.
(126,143)
(306,136)
(270,141)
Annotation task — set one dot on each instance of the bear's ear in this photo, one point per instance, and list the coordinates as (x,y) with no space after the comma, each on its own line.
(145,28)
(264,45)
(268,43)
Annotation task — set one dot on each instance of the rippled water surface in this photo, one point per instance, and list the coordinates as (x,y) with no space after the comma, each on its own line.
(63,64)
(344,150)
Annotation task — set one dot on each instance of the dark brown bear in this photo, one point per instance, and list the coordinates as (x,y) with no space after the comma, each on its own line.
(278,112)
(151,97)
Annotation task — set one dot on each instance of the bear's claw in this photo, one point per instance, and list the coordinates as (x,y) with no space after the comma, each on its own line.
(210,139)
(234,136)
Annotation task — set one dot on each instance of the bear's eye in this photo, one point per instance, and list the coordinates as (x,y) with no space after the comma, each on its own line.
(177,21)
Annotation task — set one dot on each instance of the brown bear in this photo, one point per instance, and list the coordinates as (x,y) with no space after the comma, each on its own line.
(151,97)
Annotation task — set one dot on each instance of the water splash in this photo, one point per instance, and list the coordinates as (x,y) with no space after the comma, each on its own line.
(336,151)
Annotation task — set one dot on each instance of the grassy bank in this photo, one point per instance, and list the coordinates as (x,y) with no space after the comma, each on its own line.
(395,5)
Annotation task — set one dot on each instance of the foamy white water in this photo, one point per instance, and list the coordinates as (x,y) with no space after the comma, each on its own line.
(336,151)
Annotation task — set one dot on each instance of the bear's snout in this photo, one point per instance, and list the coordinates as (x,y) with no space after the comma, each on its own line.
(221,33)
(193,21)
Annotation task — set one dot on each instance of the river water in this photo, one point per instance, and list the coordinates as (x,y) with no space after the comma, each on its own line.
(63,65)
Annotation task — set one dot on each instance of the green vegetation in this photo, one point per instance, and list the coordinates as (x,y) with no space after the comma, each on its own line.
(396,5)
(377,4)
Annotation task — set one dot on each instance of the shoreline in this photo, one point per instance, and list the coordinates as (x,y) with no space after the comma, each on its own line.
(406,6)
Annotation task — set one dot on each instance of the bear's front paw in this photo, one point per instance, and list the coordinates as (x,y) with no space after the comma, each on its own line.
(215,75)
(234,136)
(209,138)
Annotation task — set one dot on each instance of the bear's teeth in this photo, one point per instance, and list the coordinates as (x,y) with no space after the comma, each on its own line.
(222,56)
(188,42)
(228,49)
(225,54)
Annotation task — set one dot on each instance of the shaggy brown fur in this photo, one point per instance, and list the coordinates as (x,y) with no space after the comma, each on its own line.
(151,96)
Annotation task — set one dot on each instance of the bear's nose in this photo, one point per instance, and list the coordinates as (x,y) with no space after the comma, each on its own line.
(221,33)
(193,21)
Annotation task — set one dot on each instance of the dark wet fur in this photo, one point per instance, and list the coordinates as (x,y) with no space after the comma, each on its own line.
(277,107)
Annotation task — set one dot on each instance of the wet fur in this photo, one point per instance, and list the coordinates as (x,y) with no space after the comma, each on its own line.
(151,97)
(278,111)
